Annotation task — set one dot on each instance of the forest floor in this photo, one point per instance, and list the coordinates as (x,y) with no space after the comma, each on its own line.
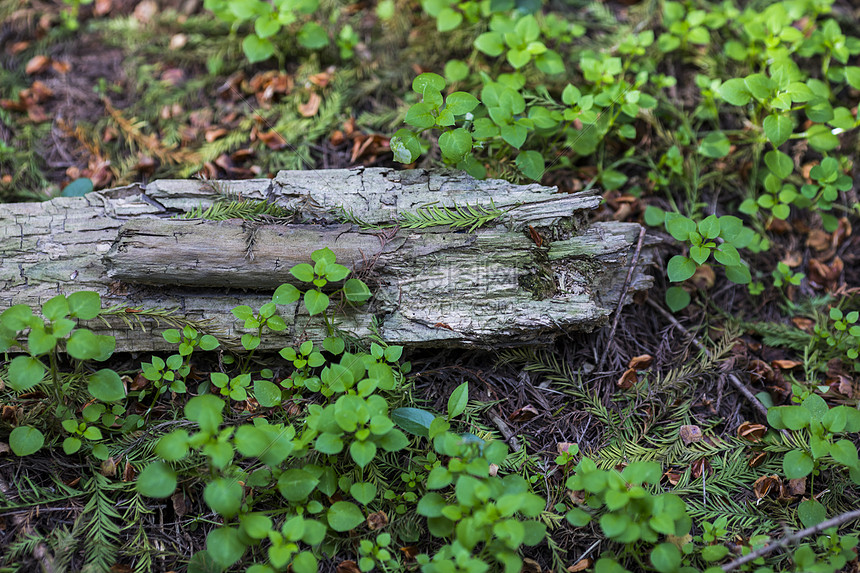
(728,129)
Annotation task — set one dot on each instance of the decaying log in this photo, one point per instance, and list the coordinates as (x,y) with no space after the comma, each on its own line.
(529,276)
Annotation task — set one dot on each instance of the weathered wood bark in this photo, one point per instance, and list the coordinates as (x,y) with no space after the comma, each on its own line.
(492,287)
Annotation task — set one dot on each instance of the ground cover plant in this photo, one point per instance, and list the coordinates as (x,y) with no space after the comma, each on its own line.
(712,427)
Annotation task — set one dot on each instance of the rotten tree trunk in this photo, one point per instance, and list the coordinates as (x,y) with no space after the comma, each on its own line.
(529,276)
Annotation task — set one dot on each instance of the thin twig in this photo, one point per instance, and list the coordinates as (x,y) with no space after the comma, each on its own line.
(510,437)
(797,536)
(624,290)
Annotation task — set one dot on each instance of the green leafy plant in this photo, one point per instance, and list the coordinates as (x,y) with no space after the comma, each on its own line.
(820,425)
(631,514)
(46,336)
(841,339)
(268,19)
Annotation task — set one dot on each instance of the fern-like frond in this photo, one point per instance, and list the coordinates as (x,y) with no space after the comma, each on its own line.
(456,217)
(248,210)
(781,335)
(98,524)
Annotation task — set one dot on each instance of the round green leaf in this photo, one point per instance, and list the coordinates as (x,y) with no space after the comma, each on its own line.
(448,19)
(490,43)
(531,163)
(715,145)
(85,305)
(303,271)
(224,546)
(363,492)
(362,452)
(413,420)
(459,103)
(405,146)
(173,446)
(777,128)
(797,464)
(428,82)
(811,512)
(456,70)
(313,36)
(267,393)
(25,372)
(356,291)
(343,516)
(727,255)
(677,298)
(71,445)
(26,440)
(296,484)
(455,144)
(666,558)
(779,163)
(257,49)
(266,26)
(83,344)
(286,294)
(224,496)
(206,411)
(316,302)
(844,452)
(735,92)
(680,268)
(739,274)
(106,385)
(78,188)
(156,480)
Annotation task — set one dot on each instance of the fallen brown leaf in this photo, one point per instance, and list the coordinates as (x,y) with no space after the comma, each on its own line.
(785,364)
(312,106)
(824,276)
(37,64)
(409,552)
(18,47)
(108,467)
(145,11)
(797,486)
(704,277)
(818,240)
(757,459)
(751,432)
(377,520)
(214,134)
(61,68)
(765,484)
(580,565)
(179,505)
(640,362)
(102,7)
(523,414)
(177,41)
(322,79)
(700,466)
(273,140)
(128,472)
(628,379)
(530,566)
(690,434)
(348,566)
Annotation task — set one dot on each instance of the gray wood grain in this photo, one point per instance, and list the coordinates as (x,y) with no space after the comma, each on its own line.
(491,288)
